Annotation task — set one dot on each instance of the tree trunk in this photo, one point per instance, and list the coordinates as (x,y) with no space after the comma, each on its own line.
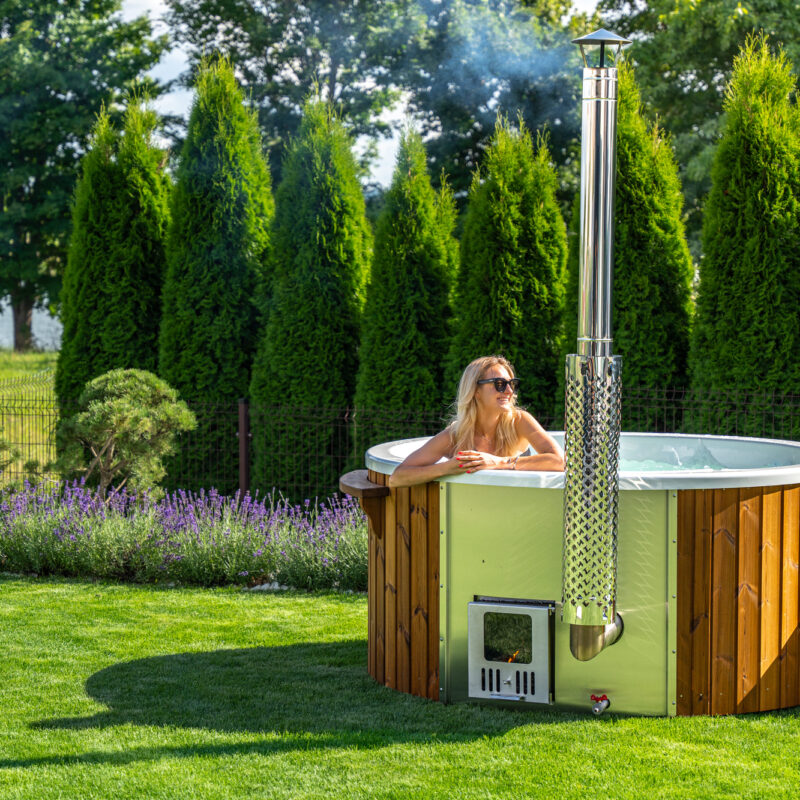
(22,309)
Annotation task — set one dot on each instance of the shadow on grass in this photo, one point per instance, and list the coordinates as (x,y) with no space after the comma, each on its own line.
(304,696)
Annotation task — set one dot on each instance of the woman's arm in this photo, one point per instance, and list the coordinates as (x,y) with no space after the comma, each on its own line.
(423,464)
(549,456)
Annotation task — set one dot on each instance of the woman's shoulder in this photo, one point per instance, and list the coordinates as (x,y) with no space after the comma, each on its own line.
(523,418)
(526,425)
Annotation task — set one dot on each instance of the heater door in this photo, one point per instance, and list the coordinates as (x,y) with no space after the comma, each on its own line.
(509,651)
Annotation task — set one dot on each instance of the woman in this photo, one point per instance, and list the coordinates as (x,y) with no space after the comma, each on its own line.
(488,432)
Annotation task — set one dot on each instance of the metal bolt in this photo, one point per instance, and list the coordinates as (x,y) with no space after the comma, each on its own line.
(441,638)
(673,654)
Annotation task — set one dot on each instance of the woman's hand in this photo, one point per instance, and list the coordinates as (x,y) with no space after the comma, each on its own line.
(473,460)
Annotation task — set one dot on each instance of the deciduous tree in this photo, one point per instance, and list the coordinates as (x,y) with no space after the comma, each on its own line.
(60,61)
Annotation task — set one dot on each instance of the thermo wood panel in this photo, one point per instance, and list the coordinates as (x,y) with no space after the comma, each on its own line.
(738,635)
(403,589)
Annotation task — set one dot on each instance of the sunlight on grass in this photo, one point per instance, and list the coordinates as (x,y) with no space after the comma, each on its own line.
(28,409)
(122,691)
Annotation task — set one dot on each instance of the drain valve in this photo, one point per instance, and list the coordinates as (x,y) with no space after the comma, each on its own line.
(601,703)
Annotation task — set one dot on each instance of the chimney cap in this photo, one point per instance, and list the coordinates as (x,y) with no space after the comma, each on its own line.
(602,39)
(601,36)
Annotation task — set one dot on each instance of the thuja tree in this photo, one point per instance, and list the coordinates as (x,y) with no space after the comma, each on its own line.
(111,300)
(509,293)
(217,253)
(652,265)
(747,333)
(304,373)
(405,332)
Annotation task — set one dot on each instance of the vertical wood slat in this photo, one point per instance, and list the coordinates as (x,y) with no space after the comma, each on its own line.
(701,603)
(686,534)
(769,683)
(763,547)
(403,560)
(747,599)
(371,600)
(790,599)
(390,591)
(378,546)
(419,590)
(723,601)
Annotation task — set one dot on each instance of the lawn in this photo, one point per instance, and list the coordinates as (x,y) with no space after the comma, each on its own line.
(120,691)
(14,366)
(28,411)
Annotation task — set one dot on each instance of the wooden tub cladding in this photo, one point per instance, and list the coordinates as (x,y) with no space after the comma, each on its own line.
(738,643)
(738,585)
(403,647)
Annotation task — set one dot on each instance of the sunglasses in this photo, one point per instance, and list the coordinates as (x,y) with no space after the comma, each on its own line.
(501,383)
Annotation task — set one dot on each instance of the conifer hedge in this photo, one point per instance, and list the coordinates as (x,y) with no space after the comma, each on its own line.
(406,326)
(510,287)
(747,332)
(305,370)
(111,298)
(217,261)
(652,265)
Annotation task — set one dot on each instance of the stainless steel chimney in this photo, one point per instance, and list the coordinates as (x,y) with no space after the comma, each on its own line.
(592,403)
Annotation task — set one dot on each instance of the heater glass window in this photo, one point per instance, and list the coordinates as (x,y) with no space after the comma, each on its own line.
(507,638)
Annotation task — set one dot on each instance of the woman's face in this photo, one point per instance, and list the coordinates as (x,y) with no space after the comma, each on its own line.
(487,396)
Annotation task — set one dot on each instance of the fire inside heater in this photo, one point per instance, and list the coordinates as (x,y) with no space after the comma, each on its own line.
(510,646)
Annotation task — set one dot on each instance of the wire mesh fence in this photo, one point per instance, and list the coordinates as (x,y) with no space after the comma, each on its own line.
(301,452)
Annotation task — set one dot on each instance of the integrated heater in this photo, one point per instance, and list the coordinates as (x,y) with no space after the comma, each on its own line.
(511,650)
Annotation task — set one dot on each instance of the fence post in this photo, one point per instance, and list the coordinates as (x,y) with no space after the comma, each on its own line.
(244,446)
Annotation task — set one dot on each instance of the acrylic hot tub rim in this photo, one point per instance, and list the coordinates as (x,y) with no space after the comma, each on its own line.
(742,462)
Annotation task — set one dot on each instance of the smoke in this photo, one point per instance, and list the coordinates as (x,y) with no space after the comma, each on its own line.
(481,58)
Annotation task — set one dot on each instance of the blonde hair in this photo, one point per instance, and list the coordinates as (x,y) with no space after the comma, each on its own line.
(462,425)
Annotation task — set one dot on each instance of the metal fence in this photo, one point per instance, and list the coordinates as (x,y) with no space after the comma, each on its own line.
(302,451)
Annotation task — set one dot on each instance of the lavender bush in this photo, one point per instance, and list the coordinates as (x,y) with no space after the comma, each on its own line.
(205,538)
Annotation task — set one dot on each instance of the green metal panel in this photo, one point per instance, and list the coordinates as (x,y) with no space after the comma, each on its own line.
(503,541)
(672,603)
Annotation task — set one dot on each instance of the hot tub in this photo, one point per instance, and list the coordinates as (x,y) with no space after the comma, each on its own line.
(708,589)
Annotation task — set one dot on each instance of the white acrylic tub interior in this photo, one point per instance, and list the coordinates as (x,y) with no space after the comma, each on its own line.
(647,461)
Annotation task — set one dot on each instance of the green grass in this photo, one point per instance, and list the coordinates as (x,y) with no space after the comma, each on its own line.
(118,691)
(14,366)
(28,411)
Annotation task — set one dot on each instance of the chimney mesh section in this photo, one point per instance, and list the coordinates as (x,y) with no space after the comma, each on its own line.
(592,429)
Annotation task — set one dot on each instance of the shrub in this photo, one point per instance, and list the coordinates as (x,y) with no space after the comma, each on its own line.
(509,293)
(747,332)
(652,266)
(307,358)
(111,299)
(202,538)
(217,256)
(127,423)
(405,332)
